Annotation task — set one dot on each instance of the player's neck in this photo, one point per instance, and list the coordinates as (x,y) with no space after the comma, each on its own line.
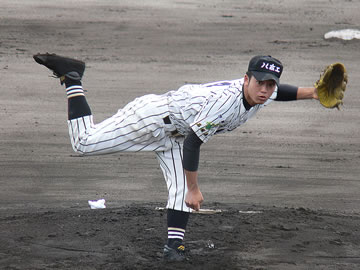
(246,99)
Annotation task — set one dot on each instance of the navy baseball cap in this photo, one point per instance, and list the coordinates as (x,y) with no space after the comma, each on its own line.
(265,68)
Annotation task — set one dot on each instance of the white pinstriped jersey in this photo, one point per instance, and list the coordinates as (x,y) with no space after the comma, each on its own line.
(207,109)
(210,108)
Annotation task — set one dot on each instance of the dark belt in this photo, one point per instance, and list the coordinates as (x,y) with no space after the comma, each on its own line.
(167,121)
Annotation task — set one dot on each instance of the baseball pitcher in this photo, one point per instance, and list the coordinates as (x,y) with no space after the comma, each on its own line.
(174,126)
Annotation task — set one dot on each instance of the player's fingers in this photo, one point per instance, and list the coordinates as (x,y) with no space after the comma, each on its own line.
(195,206)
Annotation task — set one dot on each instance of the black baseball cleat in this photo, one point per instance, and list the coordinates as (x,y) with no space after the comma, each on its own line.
(175,252)
(61,66)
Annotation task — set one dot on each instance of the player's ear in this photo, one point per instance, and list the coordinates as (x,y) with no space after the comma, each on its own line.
(246,79)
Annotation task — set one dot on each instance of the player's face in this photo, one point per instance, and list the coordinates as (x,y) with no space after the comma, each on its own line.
(258,92)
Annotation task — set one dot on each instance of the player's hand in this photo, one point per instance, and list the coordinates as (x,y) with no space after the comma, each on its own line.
(315,94)
(194,198)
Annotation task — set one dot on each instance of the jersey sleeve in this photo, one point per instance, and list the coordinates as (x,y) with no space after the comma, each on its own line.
(191,152)
(287,92)
(213,115)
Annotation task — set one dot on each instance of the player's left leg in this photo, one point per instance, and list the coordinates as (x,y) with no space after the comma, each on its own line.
(139,126)
(177,211)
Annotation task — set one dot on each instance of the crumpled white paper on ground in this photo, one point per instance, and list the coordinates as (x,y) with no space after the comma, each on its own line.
(345,34)
(99,204)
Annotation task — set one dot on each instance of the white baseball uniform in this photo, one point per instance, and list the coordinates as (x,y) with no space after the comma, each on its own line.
(160,123)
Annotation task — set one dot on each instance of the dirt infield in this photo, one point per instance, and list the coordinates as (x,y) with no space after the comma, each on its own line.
(240,237)
(287,181)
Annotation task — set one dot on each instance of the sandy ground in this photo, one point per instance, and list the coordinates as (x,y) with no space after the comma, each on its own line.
(295,164)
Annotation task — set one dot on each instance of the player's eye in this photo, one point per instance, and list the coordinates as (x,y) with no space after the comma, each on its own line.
(272,84)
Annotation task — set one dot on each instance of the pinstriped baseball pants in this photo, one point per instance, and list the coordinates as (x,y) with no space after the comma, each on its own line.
(139,126)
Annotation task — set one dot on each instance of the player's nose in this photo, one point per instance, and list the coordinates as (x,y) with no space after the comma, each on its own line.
(267,87)
(264,88)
